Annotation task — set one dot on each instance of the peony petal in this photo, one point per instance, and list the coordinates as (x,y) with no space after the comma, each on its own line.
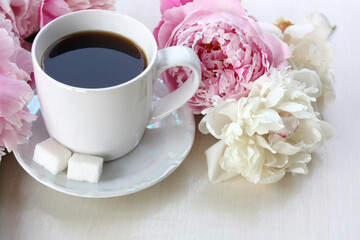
(156,31)
(298,31)
(215,172)
(51,9)
(322,26)
(15,62)
(14,96)
(264,144)
(214,125)
(311,80)
(265,121)
(310,134)
(297,163)
(168,4)
(328,89)
(23,15)
(274,97)
(291,107)
(216,119)
(280,50)
(327,129)
(229,6)
(287,148)
(272,178)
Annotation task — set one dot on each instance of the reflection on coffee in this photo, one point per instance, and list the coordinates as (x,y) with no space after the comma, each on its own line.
(93,59)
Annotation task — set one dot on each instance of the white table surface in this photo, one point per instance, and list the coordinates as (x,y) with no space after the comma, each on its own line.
(325,204)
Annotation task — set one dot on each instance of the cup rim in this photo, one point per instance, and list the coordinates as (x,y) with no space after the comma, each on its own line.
(150,62)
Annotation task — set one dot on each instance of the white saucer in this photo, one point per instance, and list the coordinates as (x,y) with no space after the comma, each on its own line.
(162,149)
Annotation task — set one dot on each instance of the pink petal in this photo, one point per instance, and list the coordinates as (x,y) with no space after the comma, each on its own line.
(280,50)
(168,4)
(14,119)
(23,15)
(51,9)
(15,61)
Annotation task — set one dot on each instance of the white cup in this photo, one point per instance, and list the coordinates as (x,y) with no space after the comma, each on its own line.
(108,122)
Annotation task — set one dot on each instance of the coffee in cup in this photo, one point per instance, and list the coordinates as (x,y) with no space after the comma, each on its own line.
(93,59)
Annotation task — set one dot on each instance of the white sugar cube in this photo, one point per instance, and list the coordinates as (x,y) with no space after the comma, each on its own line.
(85,168)
(52,155)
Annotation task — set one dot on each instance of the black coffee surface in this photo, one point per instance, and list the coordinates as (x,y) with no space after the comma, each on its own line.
(93,59)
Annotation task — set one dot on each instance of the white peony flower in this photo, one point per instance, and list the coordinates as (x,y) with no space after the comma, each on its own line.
(268,133)
(312,50)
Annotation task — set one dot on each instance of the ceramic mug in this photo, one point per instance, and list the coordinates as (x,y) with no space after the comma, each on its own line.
(108,122)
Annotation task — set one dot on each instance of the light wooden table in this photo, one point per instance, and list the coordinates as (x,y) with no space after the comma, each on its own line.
(325,204)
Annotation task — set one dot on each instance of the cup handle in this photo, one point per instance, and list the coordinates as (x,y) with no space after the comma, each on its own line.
(171,57)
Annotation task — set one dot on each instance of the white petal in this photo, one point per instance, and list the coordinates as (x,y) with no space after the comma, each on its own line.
(297,163)
(263,143)
(310,134)
(213,125)
(274,96)
(291,107)
(273,178)
(228,109)
(287,148)
(233,132)
(213,155)
(327,129)
(202,126)
(322,26)
(312,81)
(265,121)
(328,87)
(303,114)
(299,31)
(217,118)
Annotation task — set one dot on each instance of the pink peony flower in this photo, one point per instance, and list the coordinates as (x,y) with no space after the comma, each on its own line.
(232,48)
(51,9)
(14,118)
(23,15)
(15,93)
(15,62)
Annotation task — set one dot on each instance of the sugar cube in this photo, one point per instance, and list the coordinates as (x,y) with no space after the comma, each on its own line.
(52,155)
(85,168)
